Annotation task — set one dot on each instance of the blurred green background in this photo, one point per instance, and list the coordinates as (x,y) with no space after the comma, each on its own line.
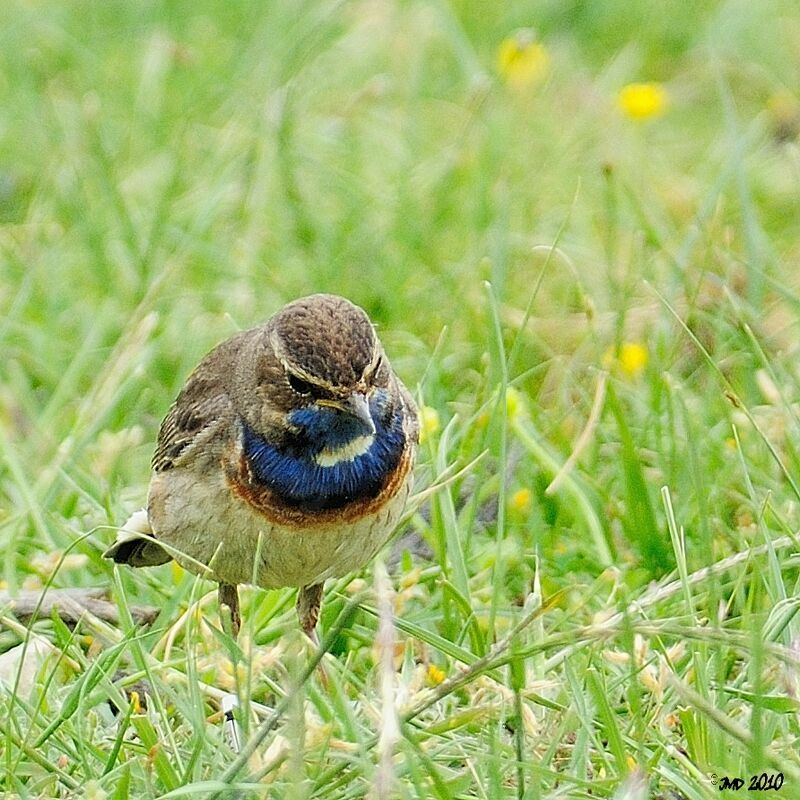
(595,203)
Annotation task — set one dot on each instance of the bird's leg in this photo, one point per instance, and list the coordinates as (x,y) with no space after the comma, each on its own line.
(309,599)
(229,596)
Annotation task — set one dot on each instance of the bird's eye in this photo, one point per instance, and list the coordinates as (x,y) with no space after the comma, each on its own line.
(299,385)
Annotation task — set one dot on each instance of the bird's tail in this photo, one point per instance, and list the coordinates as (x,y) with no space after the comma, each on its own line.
(136,545)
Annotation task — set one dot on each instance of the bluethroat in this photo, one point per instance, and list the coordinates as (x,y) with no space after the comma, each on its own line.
(285,460)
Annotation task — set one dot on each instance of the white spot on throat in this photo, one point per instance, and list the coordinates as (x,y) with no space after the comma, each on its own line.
(347,452)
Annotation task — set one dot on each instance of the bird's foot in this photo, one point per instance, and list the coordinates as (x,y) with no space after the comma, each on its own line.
(309,600)
(229,596)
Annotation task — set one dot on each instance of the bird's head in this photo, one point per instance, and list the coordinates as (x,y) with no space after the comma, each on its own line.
(326,389)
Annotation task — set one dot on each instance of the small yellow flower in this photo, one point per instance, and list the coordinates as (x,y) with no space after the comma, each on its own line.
(521,60)
(429,423)
(642,101)
(515,404)
(521,500)
(631,359)
(435,675)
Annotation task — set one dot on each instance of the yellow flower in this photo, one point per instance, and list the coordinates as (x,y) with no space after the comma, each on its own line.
(631,359)
(435,675)
(521,60)
(641,101)
(429,423)
(521,500)
(515,404)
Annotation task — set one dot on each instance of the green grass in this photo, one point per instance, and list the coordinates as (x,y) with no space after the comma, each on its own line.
(171,173)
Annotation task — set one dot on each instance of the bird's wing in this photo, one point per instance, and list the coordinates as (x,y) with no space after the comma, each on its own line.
(191,427)
(201,411)
(189,421)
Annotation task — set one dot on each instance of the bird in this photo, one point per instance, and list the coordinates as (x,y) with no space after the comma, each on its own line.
(286,459)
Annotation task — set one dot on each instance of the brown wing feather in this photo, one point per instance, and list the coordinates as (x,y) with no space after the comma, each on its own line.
(186,421)
(203,404)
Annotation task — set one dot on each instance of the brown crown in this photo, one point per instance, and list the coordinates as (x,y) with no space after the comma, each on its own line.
(326,336)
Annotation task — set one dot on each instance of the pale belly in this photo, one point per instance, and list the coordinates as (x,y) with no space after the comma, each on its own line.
(207,524)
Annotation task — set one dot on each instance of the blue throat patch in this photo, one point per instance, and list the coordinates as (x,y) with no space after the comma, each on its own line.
(295,476)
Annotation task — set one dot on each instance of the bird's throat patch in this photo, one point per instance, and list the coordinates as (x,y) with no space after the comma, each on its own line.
(330,457)
(323,479)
